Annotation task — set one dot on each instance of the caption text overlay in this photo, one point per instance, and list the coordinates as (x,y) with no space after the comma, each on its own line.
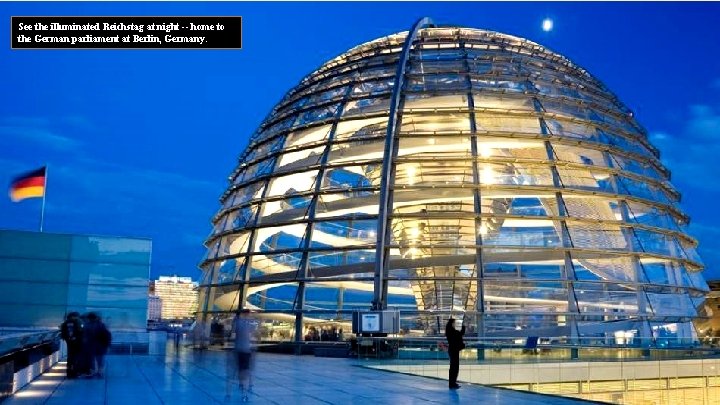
(126,32)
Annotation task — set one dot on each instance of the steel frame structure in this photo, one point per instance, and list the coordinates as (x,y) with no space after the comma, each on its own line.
(453,170)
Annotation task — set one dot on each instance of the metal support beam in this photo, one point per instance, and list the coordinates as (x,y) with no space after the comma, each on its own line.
(304,267)
(477,204)
(384,229)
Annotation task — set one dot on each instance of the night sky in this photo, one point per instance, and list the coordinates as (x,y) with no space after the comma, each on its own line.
(141,142)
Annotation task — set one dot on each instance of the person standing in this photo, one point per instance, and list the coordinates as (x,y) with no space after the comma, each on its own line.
(71,332)
(99,339)
(455,345)
(243,328)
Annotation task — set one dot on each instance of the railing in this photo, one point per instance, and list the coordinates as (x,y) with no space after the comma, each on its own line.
(25,355)
(617,374)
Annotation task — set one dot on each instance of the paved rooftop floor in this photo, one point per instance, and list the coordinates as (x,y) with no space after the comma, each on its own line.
(201,377)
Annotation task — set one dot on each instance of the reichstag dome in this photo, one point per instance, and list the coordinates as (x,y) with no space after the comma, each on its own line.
(454,171)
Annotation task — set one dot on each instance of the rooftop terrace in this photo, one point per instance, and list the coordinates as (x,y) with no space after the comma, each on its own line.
(201,377)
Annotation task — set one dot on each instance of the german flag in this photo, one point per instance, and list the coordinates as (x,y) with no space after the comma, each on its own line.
(28,185)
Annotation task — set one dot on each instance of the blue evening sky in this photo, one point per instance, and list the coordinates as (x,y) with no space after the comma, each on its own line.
(140,143)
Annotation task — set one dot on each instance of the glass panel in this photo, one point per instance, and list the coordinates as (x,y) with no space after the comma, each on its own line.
(366,106)
(575,154)
(666,272)
(507,86)
(231,269)
(346,232)
(671,303)
(591,207)
(429,67)
(292,183)
(350,177)
(361,128)
(300,159)
(374,87)
(530,206)
(599,267)
(493,102)
(262,150)
(285,210)
(347,203)
(246,193)
(585,179)
(435,147)
(234,244)
(540,270)
(322,264)
(417,101)
(639,189)
(279,238)
(275,298)
(654,242)
(521,232)
(521,296)
(434,233)
(275,263)
(434,173)
(308,136)
(514,174)
(437,82)
(623,143)
(434,202)
(318,114)
(426,122)
(358,151)
(643,169)
(256,170)
(108,249)
(652,216)
(505,123)
(605,299)
(596,236)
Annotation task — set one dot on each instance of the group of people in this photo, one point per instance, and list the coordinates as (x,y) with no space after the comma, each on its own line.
(88,340)
(325,335)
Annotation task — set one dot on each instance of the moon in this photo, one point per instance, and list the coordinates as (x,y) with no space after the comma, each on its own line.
(547,25)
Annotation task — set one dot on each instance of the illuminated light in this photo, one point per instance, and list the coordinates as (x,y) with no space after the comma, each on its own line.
(483,228)
(410,174)
(431,141)
(44,382)
(412,252)
(414,233)
(487,176)
(30,393)
(485,151)
(547,25)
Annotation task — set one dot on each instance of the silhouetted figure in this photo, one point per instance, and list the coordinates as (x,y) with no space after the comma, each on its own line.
(98,342)
(455,344)
(85,359)
(71,332)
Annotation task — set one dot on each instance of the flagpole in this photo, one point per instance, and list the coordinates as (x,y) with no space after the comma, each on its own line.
(42,211)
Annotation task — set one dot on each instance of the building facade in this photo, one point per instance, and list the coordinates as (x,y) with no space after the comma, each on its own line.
(455,171)
(178,295)
(154,308)
(44,276)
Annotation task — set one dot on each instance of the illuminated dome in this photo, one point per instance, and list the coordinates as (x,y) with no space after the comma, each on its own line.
(455,171)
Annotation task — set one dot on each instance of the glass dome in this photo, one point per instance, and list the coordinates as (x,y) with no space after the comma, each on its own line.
(461,171)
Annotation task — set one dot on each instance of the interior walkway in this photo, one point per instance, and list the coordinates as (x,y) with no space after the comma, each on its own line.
(194,377)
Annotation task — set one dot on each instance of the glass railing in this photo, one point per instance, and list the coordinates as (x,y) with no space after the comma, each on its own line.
(616,374)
